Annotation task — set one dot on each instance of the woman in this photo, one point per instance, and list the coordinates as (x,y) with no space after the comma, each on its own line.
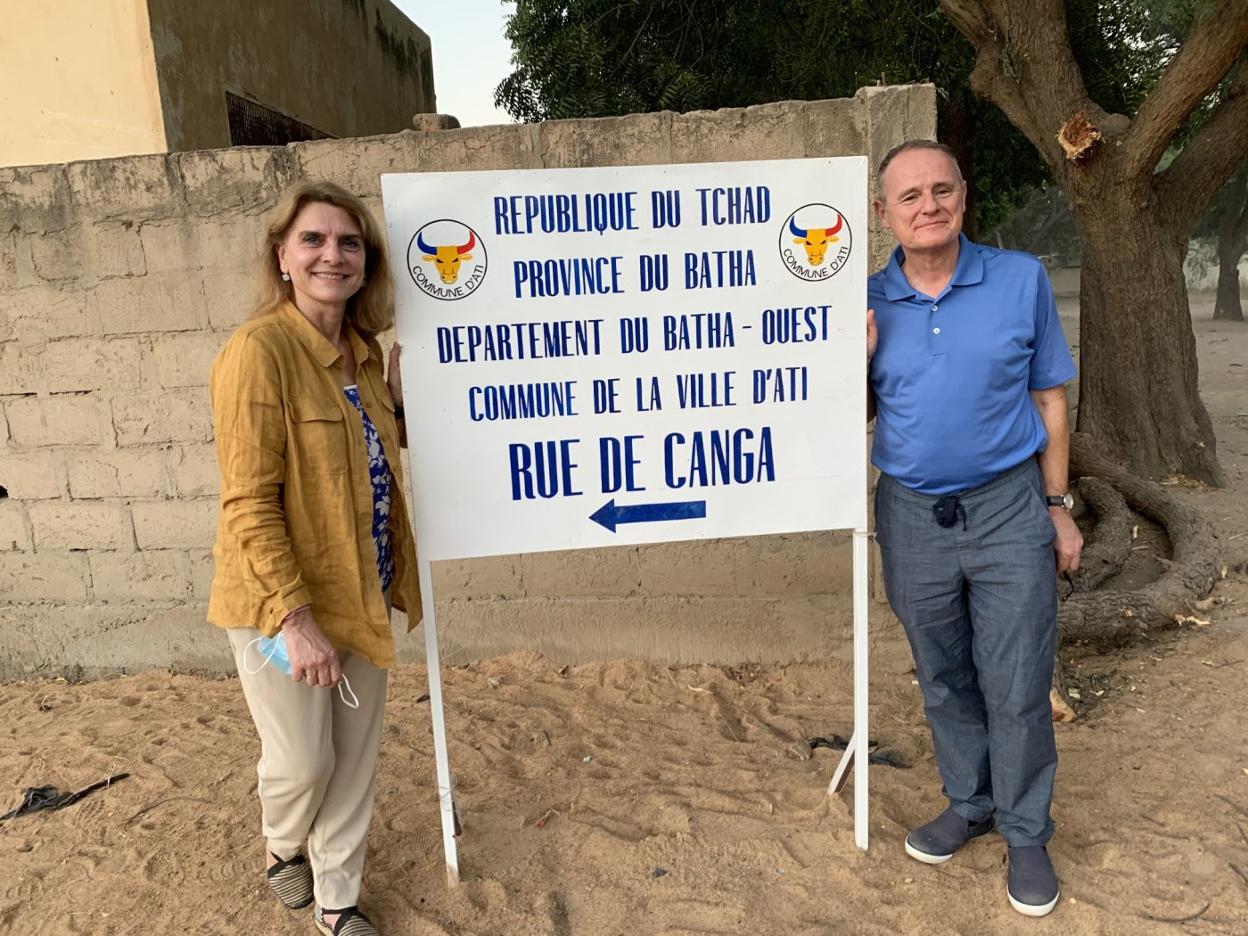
(313,543)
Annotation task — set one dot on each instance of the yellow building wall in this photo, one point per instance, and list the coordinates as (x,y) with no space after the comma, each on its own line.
(77,81)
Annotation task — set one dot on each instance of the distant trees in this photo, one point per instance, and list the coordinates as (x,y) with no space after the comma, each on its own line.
(1228,221)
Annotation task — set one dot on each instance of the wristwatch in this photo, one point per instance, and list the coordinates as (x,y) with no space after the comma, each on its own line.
(1060,500)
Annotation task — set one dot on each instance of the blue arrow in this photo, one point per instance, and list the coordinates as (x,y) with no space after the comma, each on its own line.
(608,515)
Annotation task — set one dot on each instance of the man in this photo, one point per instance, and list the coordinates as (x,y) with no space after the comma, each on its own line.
(967,363)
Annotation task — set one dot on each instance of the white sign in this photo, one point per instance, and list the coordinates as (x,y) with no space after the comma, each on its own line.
(598,357)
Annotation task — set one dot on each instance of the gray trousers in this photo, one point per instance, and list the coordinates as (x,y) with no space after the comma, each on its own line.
(979,607)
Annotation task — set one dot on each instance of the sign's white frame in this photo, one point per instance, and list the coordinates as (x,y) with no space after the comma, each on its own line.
(419,308)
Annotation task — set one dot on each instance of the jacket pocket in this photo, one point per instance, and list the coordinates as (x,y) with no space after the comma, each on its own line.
(318,437)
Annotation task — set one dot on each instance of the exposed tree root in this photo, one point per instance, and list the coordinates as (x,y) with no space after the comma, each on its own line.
(1112,617)
(1109,544)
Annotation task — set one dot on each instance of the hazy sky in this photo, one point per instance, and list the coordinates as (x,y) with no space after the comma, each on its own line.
(470,54)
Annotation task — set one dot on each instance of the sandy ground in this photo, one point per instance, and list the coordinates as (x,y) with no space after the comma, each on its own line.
(628,798)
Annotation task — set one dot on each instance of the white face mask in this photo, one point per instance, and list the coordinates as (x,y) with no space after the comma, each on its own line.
(273,649)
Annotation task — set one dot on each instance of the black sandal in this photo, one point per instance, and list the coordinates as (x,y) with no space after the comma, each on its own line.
(351,922)
(290,880)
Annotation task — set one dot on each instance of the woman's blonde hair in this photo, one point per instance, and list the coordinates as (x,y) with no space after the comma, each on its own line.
(371,310)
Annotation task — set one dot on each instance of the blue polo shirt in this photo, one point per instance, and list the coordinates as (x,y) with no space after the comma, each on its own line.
(952,374)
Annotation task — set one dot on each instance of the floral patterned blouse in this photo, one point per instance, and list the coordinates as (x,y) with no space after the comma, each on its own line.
(379,474)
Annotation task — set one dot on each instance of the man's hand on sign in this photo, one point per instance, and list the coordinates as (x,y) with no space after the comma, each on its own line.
(394,376)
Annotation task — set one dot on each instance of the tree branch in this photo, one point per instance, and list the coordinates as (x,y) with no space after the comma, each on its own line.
(1012,38)
(988,79)
(1203,60)
(970,19)
(1208,159)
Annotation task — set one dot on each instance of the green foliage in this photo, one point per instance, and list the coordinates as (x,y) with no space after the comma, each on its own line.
(597,58)
(593,58)
(1121,46)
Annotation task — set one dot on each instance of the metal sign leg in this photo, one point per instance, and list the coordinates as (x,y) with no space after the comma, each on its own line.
(856,755)
(861,677)
(433,663)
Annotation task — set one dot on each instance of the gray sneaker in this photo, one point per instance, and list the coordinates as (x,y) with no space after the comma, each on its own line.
(936,842)
(1031,884)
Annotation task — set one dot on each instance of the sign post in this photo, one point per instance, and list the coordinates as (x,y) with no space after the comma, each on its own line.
(639,354)
(442,760)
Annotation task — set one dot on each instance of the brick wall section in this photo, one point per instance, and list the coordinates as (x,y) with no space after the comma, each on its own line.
(120,279)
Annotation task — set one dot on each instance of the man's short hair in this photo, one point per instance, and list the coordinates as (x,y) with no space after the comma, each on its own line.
(915,145)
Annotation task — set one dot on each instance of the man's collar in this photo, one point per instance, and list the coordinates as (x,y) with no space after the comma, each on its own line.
(968,272)
(324,352)
(970,268)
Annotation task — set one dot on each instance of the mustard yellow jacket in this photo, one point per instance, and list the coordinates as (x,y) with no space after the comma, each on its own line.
(296,513)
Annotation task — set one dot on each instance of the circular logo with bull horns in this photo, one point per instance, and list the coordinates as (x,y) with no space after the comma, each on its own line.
(447,259)
(815,242)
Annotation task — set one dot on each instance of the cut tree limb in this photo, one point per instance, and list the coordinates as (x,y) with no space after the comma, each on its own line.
(1079,138)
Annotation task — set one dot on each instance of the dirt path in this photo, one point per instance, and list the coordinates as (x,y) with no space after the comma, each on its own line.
(627,798)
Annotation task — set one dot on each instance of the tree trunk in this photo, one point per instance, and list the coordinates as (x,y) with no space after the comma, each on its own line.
(1227,306)
(1138,381)
(1232,240)
(1231,243)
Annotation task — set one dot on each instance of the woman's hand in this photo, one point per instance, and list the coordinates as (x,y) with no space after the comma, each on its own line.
(394,376)
(312,658)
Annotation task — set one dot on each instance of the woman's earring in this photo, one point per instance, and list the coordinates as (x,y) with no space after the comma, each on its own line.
(285,277)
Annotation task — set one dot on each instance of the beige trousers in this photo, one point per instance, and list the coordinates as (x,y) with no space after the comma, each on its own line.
(318,766)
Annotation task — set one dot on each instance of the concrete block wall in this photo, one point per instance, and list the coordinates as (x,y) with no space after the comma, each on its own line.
(120,279)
